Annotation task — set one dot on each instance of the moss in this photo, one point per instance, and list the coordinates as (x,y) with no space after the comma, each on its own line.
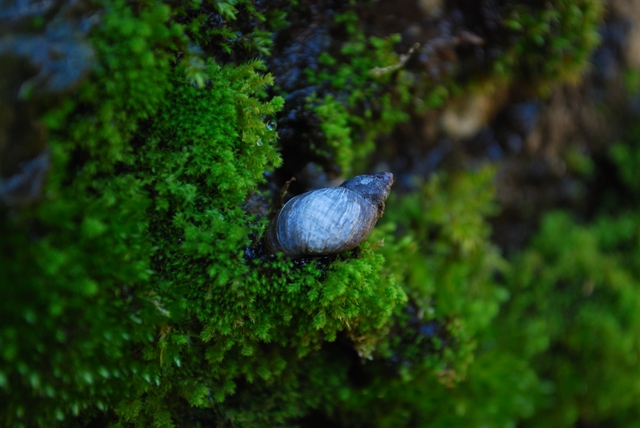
(628,158)
(141,244)
(78,267)
(353,103)
(591,271)
(562,350)
(91,282)
(135,296)
(552,43)
(586,324)
(363,88)
(448,277)
(447,220)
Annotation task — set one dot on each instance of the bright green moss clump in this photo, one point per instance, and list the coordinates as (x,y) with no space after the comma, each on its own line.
(84,283)
(231,320)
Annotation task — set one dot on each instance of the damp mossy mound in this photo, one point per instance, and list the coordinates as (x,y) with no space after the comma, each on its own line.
(127,295)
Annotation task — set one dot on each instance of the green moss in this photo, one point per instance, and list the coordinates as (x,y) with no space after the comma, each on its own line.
(553,43)
(363,91)
(234,27)
(87,267)
(628,157)
(567,332)
(360,104)
(447,274)
(579,295)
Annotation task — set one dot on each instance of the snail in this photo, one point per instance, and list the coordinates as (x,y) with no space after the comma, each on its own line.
(331,220)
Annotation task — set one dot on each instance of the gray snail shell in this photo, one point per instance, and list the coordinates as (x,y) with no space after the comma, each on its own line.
(329,221)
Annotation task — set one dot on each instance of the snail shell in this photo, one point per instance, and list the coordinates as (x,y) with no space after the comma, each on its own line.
(329,221)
